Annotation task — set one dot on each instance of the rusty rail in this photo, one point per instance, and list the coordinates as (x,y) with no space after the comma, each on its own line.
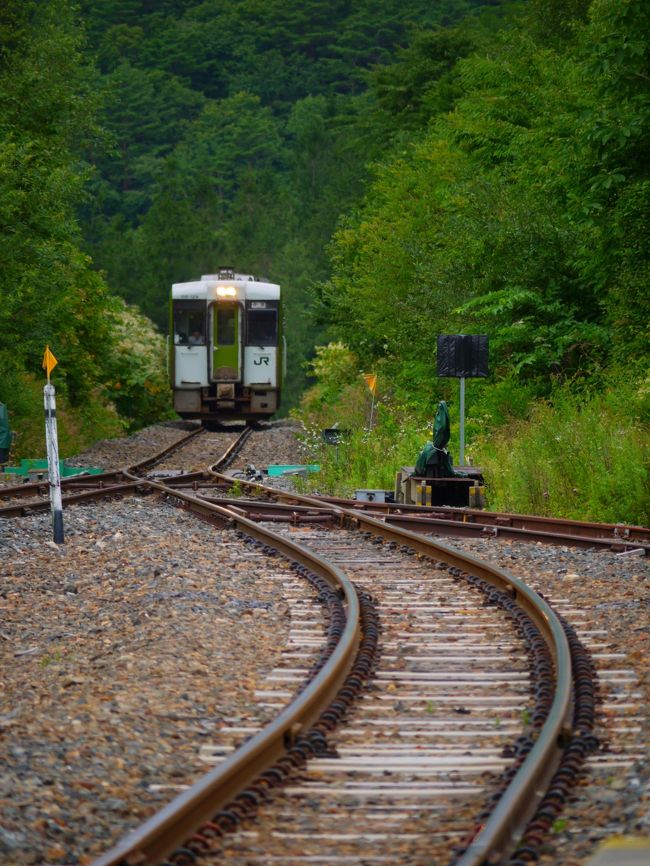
(176,822)
(170,827)
(518,804)
(101,480)
(475,523)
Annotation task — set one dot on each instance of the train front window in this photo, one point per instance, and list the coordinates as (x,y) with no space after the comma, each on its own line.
(189,323)
(262,326)
(226,324)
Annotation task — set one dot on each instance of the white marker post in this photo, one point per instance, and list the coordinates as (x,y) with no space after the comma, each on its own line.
(51,439)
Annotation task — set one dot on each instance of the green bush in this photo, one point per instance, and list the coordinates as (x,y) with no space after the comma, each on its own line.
(130,389)
(370,453)
(77,426)
(136,377)
(577,457)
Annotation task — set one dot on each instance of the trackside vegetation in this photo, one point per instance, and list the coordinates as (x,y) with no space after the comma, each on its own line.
(517,211)
(49,292)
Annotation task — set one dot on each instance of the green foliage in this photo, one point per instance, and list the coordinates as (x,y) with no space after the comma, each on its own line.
(237,135)
(334,367)
(579,458)
(78,425)
(50,294)
(137,382)
(518,214)
(216,199)
(371,449)
(479,172)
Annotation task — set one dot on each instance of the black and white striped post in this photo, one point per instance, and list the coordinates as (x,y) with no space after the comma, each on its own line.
(52,441)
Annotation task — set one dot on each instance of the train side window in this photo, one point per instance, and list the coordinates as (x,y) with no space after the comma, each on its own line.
(262,328)
(189,323)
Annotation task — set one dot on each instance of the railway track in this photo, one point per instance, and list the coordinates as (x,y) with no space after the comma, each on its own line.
(419,590)
(209,802)
(275,505)
(403,779)
(454,522)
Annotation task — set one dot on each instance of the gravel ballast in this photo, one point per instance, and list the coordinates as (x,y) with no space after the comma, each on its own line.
(122,651)
(609,595)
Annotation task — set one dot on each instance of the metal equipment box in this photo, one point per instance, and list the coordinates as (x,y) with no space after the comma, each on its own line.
(370,495)
(462,492)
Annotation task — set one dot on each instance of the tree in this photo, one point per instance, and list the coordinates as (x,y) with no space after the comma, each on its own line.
(46,107)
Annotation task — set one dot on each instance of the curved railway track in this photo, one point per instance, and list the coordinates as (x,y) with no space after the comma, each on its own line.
(410,768)
(528,738)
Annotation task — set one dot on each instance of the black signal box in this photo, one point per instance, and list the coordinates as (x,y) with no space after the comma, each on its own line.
(463,356)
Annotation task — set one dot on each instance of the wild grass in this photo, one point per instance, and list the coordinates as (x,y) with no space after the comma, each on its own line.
(369,453)
(581,458)
(584,455)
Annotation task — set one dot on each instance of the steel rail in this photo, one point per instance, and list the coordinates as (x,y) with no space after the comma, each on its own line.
(514,533)
(620,532)
(110,477)
(276,511)
(517,805)
(478,523)
(127,486)
(172,825)
(41,488)
(94,487)
(116,482)
(168,828)
(505,519)
(148,462)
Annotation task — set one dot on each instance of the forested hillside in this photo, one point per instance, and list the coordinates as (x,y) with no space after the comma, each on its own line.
(237,136)
(142,143)
(514,203)
(521,212)
(48,290)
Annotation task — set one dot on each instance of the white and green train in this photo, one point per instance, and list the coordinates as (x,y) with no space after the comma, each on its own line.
(226,348)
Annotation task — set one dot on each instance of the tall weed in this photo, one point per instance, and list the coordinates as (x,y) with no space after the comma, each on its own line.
(368,455)
(576,457)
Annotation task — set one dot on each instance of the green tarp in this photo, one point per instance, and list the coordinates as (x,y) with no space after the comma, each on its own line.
(30,466)
(434,461)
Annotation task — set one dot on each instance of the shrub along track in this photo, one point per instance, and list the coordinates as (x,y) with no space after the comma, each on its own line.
(302,730)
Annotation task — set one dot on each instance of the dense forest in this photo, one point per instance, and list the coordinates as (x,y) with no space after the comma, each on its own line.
(403,169)
(237,135)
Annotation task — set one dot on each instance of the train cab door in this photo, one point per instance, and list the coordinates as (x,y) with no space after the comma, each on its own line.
(226,358)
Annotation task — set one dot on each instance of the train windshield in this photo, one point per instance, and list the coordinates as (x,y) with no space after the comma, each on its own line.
(261,323)
(189,323)
(226,324)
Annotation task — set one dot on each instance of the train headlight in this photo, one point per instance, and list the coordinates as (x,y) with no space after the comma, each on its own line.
(226,292)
